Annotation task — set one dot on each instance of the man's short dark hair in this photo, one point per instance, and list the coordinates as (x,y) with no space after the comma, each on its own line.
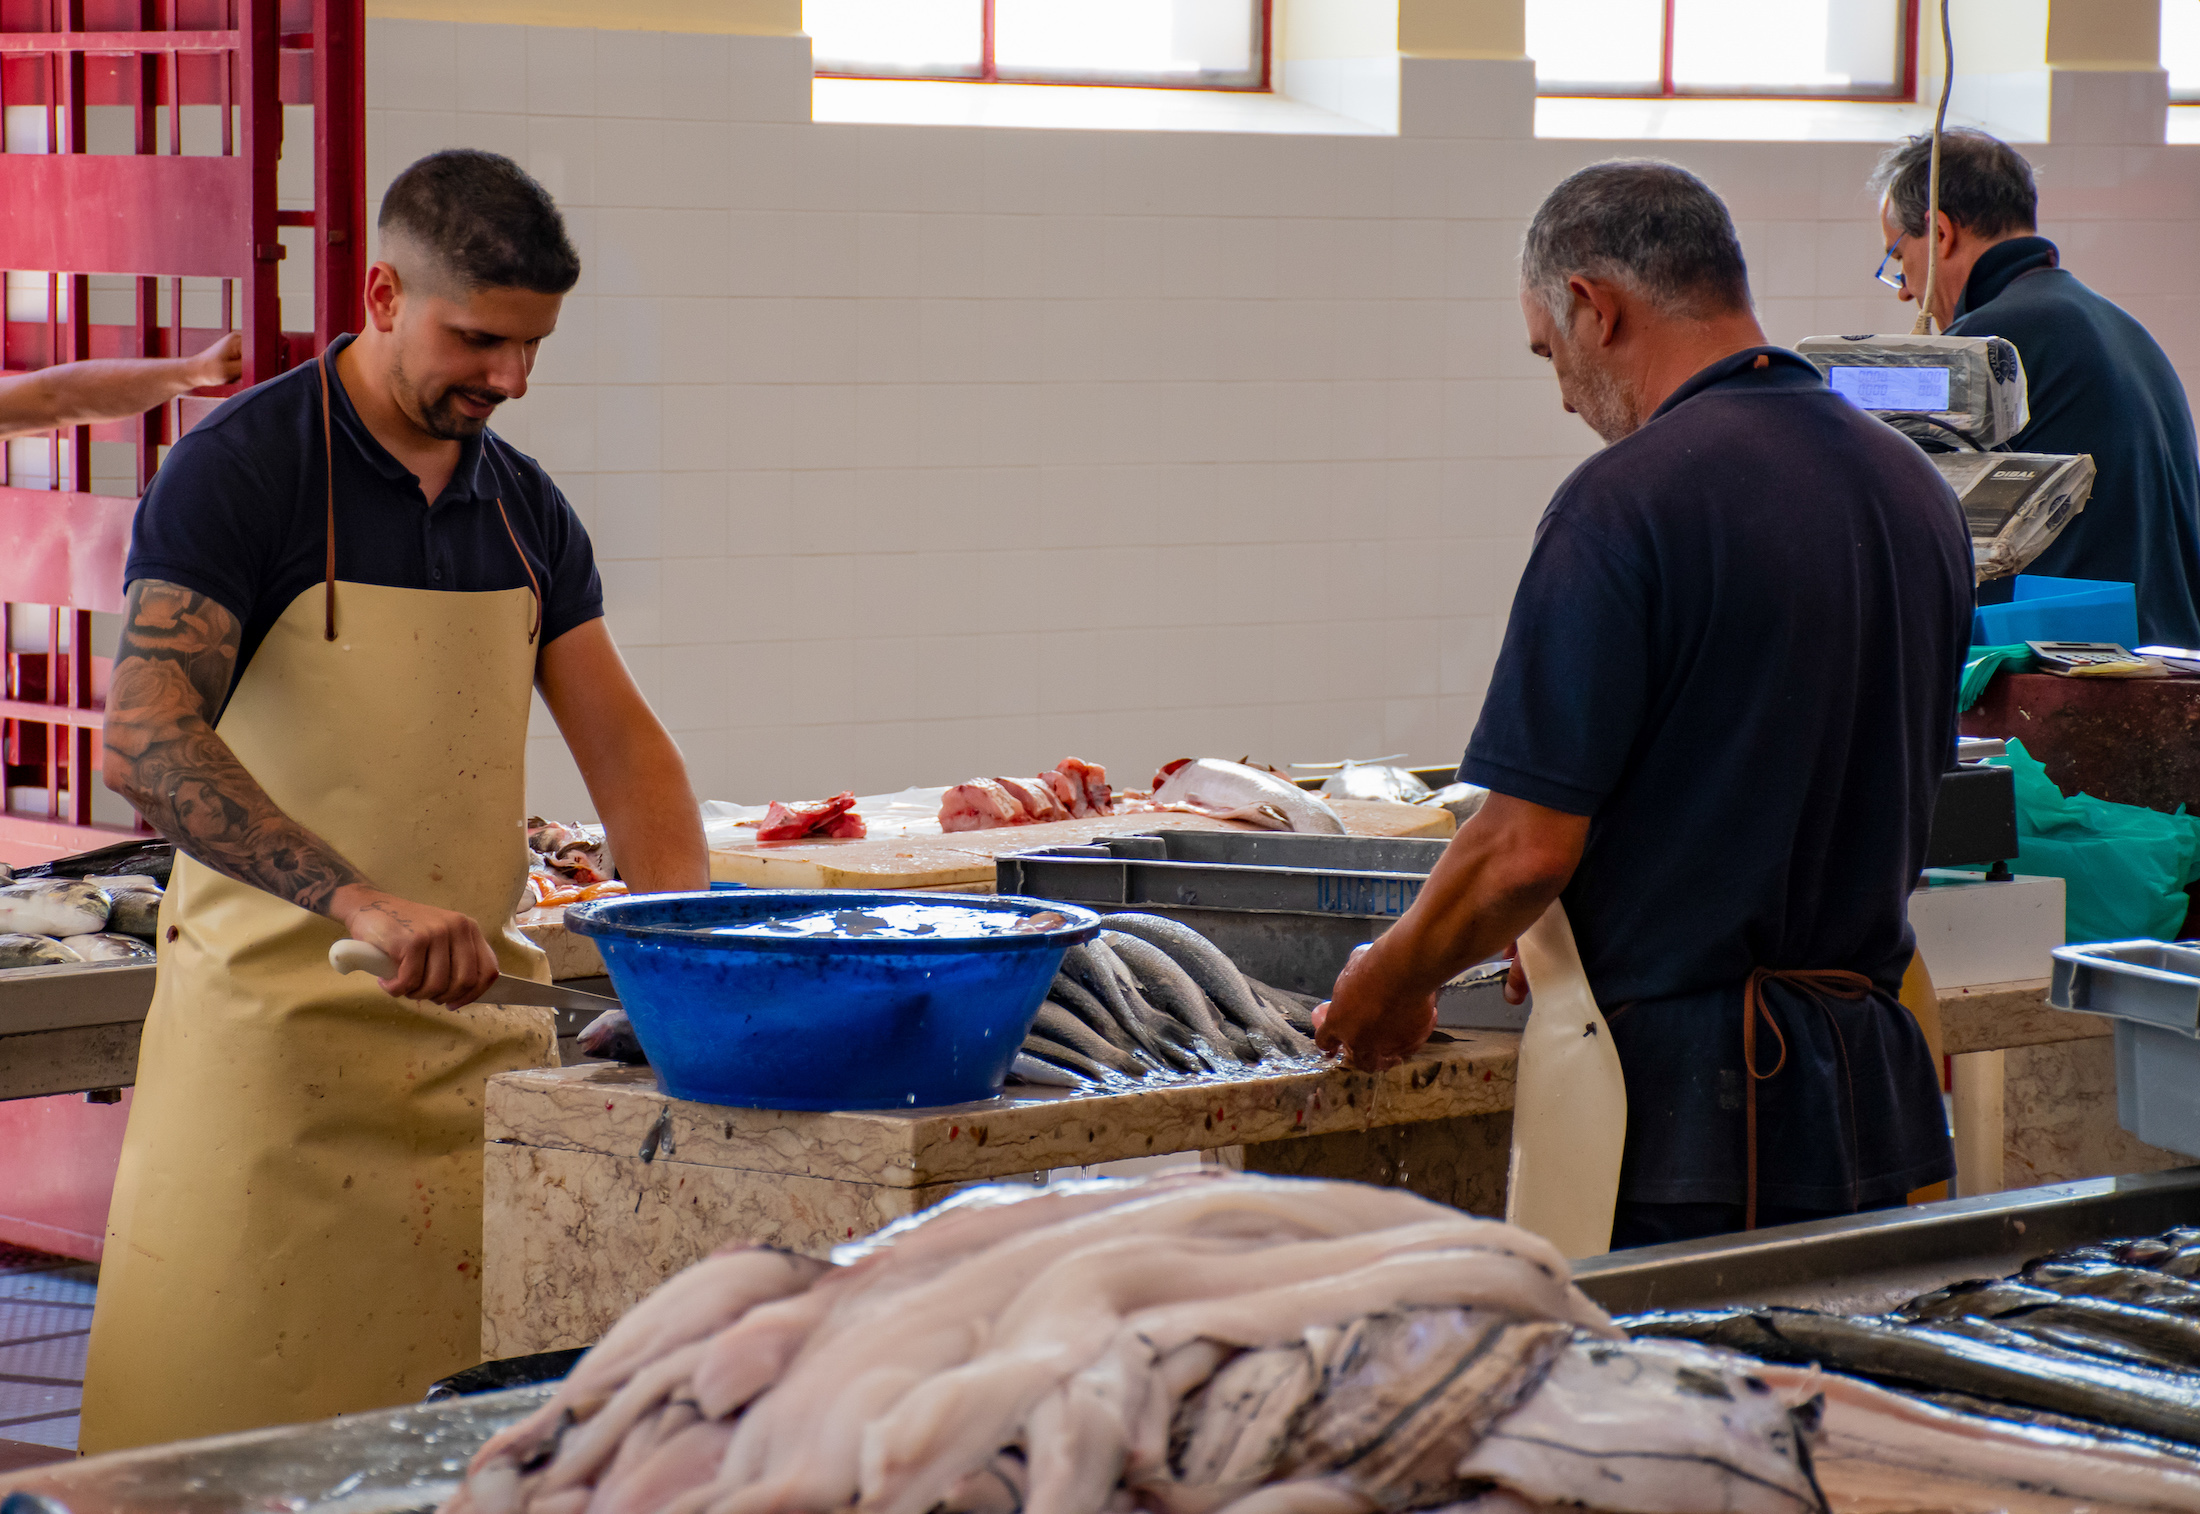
(1985,184)
(1637,221)
(485,222)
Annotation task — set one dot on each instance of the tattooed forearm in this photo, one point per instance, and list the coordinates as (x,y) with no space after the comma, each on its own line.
(171,675)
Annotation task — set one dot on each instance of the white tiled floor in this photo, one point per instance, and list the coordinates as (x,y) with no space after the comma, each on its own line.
(45,1320)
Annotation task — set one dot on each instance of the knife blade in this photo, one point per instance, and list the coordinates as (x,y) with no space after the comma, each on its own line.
(359,957)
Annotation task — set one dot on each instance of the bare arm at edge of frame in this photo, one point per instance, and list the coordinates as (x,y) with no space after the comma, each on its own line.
(110,389)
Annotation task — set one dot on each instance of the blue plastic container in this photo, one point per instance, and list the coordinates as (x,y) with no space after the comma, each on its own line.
(2059,609)
(824,1022)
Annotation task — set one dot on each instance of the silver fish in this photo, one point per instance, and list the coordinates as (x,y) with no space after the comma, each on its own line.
(1216,975)
(135,912)
(22,950)
(1086,1006)
(1048,1050)
(1374,780)
(58,907)
(1027,1068)
(1172,990)
(107,946)
(116,882)
(1098,970)
(1058,1025)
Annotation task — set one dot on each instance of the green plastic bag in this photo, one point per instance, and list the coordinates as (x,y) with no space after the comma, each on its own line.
(1982,663)
(2124,867)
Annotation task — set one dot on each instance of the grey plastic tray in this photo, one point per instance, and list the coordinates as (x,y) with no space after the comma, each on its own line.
(2152,982)
(2151,989)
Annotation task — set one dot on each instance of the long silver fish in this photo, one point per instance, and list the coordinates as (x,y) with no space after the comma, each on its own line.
(1058,1025)
(1216,975)
(58,907)
(1170,989)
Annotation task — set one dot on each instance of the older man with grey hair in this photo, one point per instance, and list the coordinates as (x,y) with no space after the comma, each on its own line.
(1715,732)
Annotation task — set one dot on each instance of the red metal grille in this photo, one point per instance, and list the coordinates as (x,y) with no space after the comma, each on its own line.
(157,213)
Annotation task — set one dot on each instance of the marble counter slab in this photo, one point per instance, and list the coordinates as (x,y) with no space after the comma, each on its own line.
(614,1110)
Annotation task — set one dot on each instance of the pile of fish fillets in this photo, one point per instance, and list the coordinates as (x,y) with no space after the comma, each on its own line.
(49,922)
(1195,1344)
(1152,997)
(2102,1341)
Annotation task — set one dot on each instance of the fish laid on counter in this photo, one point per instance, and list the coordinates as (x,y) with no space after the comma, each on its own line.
(21,950)
(58,907)
(134,912)
(108,946)
(1205,1343)
(2102,1340)
(1073,790)
(831,819)
(1233,791)
(1153,997)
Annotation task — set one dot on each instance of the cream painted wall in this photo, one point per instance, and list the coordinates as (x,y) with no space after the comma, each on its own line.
(912,453)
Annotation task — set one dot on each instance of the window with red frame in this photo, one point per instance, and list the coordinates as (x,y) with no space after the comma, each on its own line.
(1180,44)
(1814,49)
(2181,49)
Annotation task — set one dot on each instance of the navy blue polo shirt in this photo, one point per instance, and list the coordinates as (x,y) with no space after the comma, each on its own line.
(239,512)
(2096,382)
(1736,647)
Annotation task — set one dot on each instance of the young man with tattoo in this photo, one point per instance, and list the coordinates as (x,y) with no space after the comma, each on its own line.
(344,590)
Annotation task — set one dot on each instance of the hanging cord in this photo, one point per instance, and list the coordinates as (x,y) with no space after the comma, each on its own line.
(1924,326)
(328,461)
(534,586)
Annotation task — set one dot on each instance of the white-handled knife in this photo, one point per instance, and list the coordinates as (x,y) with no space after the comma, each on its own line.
(349,956)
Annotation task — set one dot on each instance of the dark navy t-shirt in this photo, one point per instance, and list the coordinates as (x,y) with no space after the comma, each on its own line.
(1736,647)
(239,512)
(2096,382)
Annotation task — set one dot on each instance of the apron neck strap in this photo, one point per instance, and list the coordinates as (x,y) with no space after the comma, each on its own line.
(534,585)
(328,460)
(328,582)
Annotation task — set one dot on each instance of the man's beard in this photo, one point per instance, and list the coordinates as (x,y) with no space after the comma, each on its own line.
(441,418)
(1600,399)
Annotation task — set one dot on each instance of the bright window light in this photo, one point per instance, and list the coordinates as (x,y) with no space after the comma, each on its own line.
(2181,47)
(1854,48)
(927,38)
(1210,44)
(1587,44)
(1190,39)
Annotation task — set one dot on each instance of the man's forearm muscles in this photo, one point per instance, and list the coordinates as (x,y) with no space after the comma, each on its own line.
(162,753)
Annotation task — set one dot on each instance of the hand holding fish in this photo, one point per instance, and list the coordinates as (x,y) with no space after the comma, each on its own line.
(441,955)
(1374,1022)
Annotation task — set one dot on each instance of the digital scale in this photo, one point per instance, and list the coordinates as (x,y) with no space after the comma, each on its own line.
(1959,398)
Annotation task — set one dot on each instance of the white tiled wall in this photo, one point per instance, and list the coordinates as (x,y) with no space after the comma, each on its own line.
(918,452)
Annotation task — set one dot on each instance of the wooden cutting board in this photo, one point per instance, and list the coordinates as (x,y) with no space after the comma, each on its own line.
(965,860)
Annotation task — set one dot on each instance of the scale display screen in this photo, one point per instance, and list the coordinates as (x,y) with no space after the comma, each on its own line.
(1904,388)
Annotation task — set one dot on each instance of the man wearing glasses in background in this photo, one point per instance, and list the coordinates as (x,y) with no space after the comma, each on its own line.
(2098,383)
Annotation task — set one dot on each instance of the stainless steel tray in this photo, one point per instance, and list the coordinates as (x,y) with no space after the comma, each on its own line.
(1867,1263)
(398,1459)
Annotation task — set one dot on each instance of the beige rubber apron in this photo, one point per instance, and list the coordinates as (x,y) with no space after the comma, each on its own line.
(296,1229)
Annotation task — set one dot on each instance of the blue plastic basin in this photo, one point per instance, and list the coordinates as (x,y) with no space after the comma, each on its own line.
(824,1022)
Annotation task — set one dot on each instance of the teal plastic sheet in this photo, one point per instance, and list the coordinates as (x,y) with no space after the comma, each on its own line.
(2124,867)
(1984,662)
